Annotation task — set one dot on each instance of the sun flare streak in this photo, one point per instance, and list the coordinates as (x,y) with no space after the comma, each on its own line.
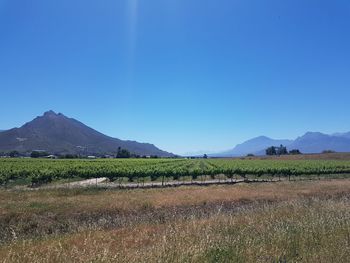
(133,6)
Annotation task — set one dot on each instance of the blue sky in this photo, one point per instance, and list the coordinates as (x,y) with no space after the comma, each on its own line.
(186,75)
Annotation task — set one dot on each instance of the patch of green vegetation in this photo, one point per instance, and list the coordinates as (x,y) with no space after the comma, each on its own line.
(22,181)
(38,205)
(71,192)
(224,255)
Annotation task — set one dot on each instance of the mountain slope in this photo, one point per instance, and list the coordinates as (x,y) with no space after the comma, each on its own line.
(311,142)
(255,146)
(343,135)
(315,142)
(57,133)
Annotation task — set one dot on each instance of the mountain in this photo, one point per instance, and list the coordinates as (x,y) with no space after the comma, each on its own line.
(316,142)
(254,146)
(310,142)
(198,153)
(342,135)
(56,133)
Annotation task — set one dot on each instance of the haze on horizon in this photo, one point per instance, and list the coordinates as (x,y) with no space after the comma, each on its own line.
(185,75)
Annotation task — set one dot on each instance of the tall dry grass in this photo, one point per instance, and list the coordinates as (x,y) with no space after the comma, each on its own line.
(298,222)
(304,230)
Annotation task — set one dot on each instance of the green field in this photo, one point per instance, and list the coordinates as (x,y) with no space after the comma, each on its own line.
(40,171)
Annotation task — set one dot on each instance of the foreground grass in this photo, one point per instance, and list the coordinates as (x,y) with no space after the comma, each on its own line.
(299,222)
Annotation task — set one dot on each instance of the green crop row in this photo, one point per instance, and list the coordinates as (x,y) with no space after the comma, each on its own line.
(40,171)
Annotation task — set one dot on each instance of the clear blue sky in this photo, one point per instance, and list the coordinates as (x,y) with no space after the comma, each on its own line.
(186,75)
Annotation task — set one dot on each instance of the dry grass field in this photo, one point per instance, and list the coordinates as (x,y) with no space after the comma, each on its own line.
(291,221)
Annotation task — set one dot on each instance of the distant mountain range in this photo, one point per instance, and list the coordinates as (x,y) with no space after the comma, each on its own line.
(342,135)
(58,134)
(252,146)
(311,142)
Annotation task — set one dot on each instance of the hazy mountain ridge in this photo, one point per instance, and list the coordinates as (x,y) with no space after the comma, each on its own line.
(310,142)
(343,135)
(316,142)
(57,133)
(252,146)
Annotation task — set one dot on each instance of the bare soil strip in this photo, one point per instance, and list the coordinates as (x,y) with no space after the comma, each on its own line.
(103,183)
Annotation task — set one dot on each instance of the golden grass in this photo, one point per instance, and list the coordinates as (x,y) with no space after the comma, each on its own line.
(73,200)
(300,231)
(301,221)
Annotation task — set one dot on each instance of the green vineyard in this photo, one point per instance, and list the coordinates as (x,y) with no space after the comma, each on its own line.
(40,171)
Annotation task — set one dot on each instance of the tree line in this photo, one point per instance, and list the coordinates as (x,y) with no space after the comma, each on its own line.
(281,150)
(120,153)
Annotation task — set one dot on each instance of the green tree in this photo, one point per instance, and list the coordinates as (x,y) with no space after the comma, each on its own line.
(123,153)
(271,151)
(38,154)
(13,154)
(294,152)
(282,150)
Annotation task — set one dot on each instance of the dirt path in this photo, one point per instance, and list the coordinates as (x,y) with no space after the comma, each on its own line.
(104,183)
(78,184)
